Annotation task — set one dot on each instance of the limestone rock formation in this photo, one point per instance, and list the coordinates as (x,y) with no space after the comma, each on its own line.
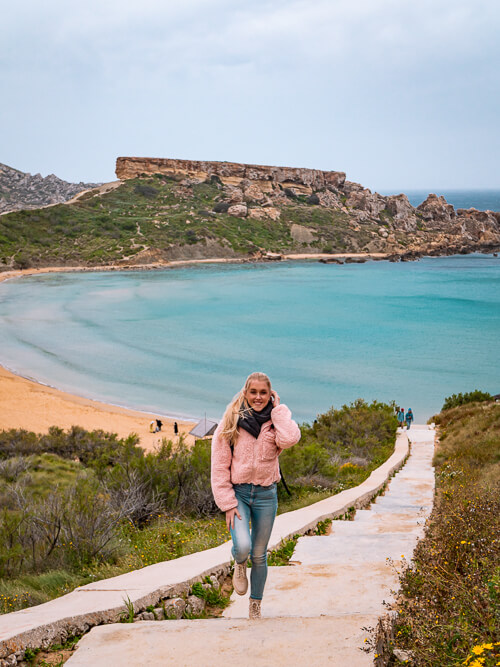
(20,190)
(231,173)
(436,210)
(355,217)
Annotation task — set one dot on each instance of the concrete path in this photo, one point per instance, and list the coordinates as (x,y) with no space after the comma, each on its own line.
(314,610)
(103,601)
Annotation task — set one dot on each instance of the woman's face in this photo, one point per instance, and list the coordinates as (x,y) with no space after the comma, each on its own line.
(258,395)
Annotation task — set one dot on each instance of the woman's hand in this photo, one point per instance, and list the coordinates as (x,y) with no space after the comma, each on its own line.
(230,514)
(275,398)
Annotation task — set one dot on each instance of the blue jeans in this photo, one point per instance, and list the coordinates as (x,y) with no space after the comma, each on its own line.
(258,505)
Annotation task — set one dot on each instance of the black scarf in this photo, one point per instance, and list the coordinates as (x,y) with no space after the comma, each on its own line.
(251,420)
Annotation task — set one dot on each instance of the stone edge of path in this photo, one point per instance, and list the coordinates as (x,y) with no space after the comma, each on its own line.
(103,601)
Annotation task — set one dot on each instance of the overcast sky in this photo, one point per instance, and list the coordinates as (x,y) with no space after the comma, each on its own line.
(397,93)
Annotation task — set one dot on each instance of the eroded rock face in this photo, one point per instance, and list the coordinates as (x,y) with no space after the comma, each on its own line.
(20,190)
(436,211)
(477,225)
(363,199)
(269,212)
(402,211)
(230,172)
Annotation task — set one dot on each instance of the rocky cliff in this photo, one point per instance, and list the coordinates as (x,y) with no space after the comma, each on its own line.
(20,190)
(375,223)
(232,173)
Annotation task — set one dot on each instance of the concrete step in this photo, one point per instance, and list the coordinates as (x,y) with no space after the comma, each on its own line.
(361,549)
(316,590)
(270,642)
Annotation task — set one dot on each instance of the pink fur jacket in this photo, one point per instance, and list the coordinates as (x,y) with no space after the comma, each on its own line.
(254,460)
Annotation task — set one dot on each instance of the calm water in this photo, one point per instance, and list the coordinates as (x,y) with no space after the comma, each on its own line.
(180,342)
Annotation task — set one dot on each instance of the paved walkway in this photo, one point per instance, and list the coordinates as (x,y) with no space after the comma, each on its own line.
(103,601)
(314,610)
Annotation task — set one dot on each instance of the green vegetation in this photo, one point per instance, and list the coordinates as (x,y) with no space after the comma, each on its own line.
(475,396)
(210,593)
(79,506)
(341,447)
(282,555)
(449,606)
(157,213)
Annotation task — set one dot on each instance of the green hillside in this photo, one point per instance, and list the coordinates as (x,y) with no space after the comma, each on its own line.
(162,218)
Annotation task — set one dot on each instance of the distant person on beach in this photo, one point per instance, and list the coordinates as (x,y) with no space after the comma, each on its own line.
(401,417)
(152,426)
(159,424)
(176,429)
(255,428)
(409,418)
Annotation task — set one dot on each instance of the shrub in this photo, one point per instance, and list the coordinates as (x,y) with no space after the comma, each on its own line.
(313,199)
(360,435)
(221,207)
(146,191)
(449,604)
(469,397)
(22,261)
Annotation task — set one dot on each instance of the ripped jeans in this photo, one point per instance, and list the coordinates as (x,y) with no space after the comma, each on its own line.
(257,505)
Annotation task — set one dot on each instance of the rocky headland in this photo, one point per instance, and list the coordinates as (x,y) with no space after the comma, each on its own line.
(20,190)
(262,192)
(165,210)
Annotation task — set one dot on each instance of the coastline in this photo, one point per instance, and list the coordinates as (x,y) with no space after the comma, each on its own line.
(35,407)
(17,273)
(271,258)
(29,404)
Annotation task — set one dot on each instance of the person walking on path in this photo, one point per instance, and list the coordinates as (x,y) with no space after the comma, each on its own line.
(401,416)
(409,419)
(254,430)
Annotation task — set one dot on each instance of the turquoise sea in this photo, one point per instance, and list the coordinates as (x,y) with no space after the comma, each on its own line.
(180,342)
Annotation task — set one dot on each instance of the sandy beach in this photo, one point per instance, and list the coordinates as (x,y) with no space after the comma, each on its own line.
(35,407)
(16,273)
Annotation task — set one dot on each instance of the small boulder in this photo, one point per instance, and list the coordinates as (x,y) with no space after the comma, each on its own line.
(302,234)
(238,210)
(175,608)
(146,616)
(195,605)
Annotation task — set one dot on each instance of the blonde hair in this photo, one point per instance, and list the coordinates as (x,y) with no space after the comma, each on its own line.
(238,406)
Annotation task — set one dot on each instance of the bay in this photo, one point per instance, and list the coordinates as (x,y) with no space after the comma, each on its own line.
(181,342)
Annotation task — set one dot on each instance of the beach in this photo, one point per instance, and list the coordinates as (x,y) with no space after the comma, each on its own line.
(36,407)
(18,273)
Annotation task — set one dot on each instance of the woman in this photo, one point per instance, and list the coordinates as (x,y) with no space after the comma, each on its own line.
(409,419)
(401,417)
(254,430)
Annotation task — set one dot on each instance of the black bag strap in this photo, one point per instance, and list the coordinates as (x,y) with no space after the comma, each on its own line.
(231,445)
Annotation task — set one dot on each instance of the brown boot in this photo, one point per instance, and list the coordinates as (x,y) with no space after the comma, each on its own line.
(254,609)
(240,581)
